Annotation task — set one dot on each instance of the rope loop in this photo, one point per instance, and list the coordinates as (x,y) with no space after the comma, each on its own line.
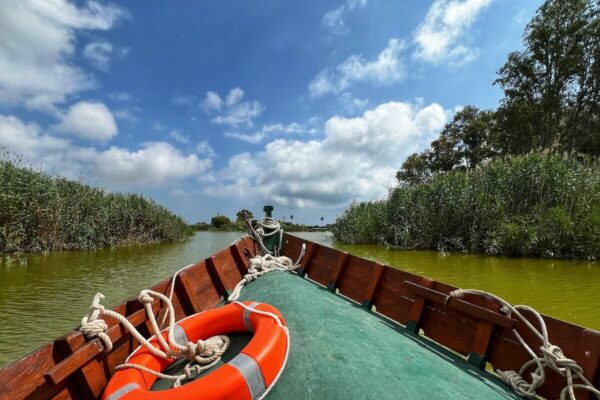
(550,356)
(204,353)
(93,326)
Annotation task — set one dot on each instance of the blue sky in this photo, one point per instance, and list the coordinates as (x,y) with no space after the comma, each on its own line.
(210,107)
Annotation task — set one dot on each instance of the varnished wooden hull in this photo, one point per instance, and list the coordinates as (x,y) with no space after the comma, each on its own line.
(71,367)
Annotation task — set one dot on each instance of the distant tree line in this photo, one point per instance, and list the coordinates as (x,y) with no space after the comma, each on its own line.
(224,223)
(551,98)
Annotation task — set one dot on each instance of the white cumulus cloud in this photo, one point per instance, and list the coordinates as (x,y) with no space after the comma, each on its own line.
(232,110)
(357,158)
(438,36)
(88,120)
(154,164)
(37,42)
(386,69)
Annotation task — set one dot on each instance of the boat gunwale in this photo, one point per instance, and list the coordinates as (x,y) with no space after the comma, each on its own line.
(73,367)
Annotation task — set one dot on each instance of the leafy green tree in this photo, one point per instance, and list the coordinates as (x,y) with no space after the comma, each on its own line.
(220,221)
(415,169)
(552,87)
(463,143)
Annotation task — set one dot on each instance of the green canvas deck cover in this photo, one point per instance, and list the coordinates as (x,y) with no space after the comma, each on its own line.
(341,351)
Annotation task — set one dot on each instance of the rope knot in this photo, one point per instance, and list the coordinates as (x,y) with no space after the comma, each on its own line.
(517,383)
(93,326)
(145,298)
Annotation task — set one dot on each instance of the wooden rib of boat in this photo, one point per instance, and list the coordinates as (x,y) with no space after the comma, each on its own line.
(73,367)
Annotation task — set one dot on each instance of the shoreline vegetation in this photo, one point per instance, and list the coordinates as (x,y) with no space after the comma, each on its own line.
(522,179)
(222,223)
(530,205)
(40,212)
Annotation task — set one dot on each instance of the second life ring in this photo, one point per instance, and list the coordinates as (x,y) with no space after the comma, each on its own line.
(245,377)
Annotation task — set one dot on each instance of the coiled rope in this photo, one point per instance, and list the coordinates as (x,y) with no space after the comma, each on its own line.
(551,356)
(261,232)
(205,353)
(261,265)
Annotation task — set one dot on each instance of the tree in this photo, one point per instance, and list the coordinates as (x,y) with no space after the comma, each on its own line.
(552,87)
(240,215)
(220,221)
(463,143)
(415,169)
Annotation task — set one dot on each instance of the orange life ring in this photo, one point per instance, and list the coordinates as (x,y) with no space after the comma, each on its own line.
(245,377)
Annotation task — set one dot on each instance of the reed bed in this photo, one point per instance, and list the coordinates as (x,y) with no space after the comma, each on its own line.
(40,212)
(530,205)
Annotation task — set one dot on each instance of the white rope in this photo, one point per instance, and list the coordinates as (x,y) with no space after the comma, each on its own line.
(551,356)
(267,224)
(204,352)
(261,265)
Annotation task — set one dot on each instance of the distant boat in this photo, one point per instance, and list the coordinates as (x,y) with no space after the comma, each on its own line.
(358,330)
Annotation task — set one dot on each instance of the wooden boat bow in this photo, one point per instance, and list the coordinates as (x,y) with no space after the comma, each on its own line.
(73,367)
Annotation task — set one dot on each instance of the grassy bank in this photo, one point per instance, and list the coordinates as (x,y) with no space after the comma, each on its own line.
(530,205)
(39,212)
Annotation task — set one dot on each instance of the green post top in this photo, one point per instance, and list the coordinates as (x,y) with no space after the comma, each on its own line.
(268,210)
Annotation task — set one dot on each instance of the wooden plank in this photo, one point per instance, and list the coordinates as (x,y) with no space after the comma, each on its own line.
(307,261)
(448,327)
(240,262)
(226,268)
(322,265)
(356,273)
(416,311)
(481,341)
(216,278)
(461,305)
(587,355)
(24,378)
(372,285)
(200,286)
(337,271)
(90,378)
(86,352)
(185,285)
(292,246)
(392,299)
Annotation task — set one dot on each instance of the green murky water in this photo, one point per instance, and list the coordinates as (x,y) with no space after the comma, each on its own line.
(43,296)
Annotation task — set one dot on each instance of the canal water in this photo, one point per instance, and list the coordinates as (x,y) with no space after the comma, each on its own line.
(42,296)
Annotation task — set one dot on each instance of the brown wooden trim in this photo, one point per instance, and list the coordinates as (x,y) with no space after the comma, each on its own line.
(184,284)
(306,262)
(483,336)
(216,278)
(239,260)
(84,354)
(416,312)
(374,279)
(587,356)
(461,305)
(89,379)
(337,271)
